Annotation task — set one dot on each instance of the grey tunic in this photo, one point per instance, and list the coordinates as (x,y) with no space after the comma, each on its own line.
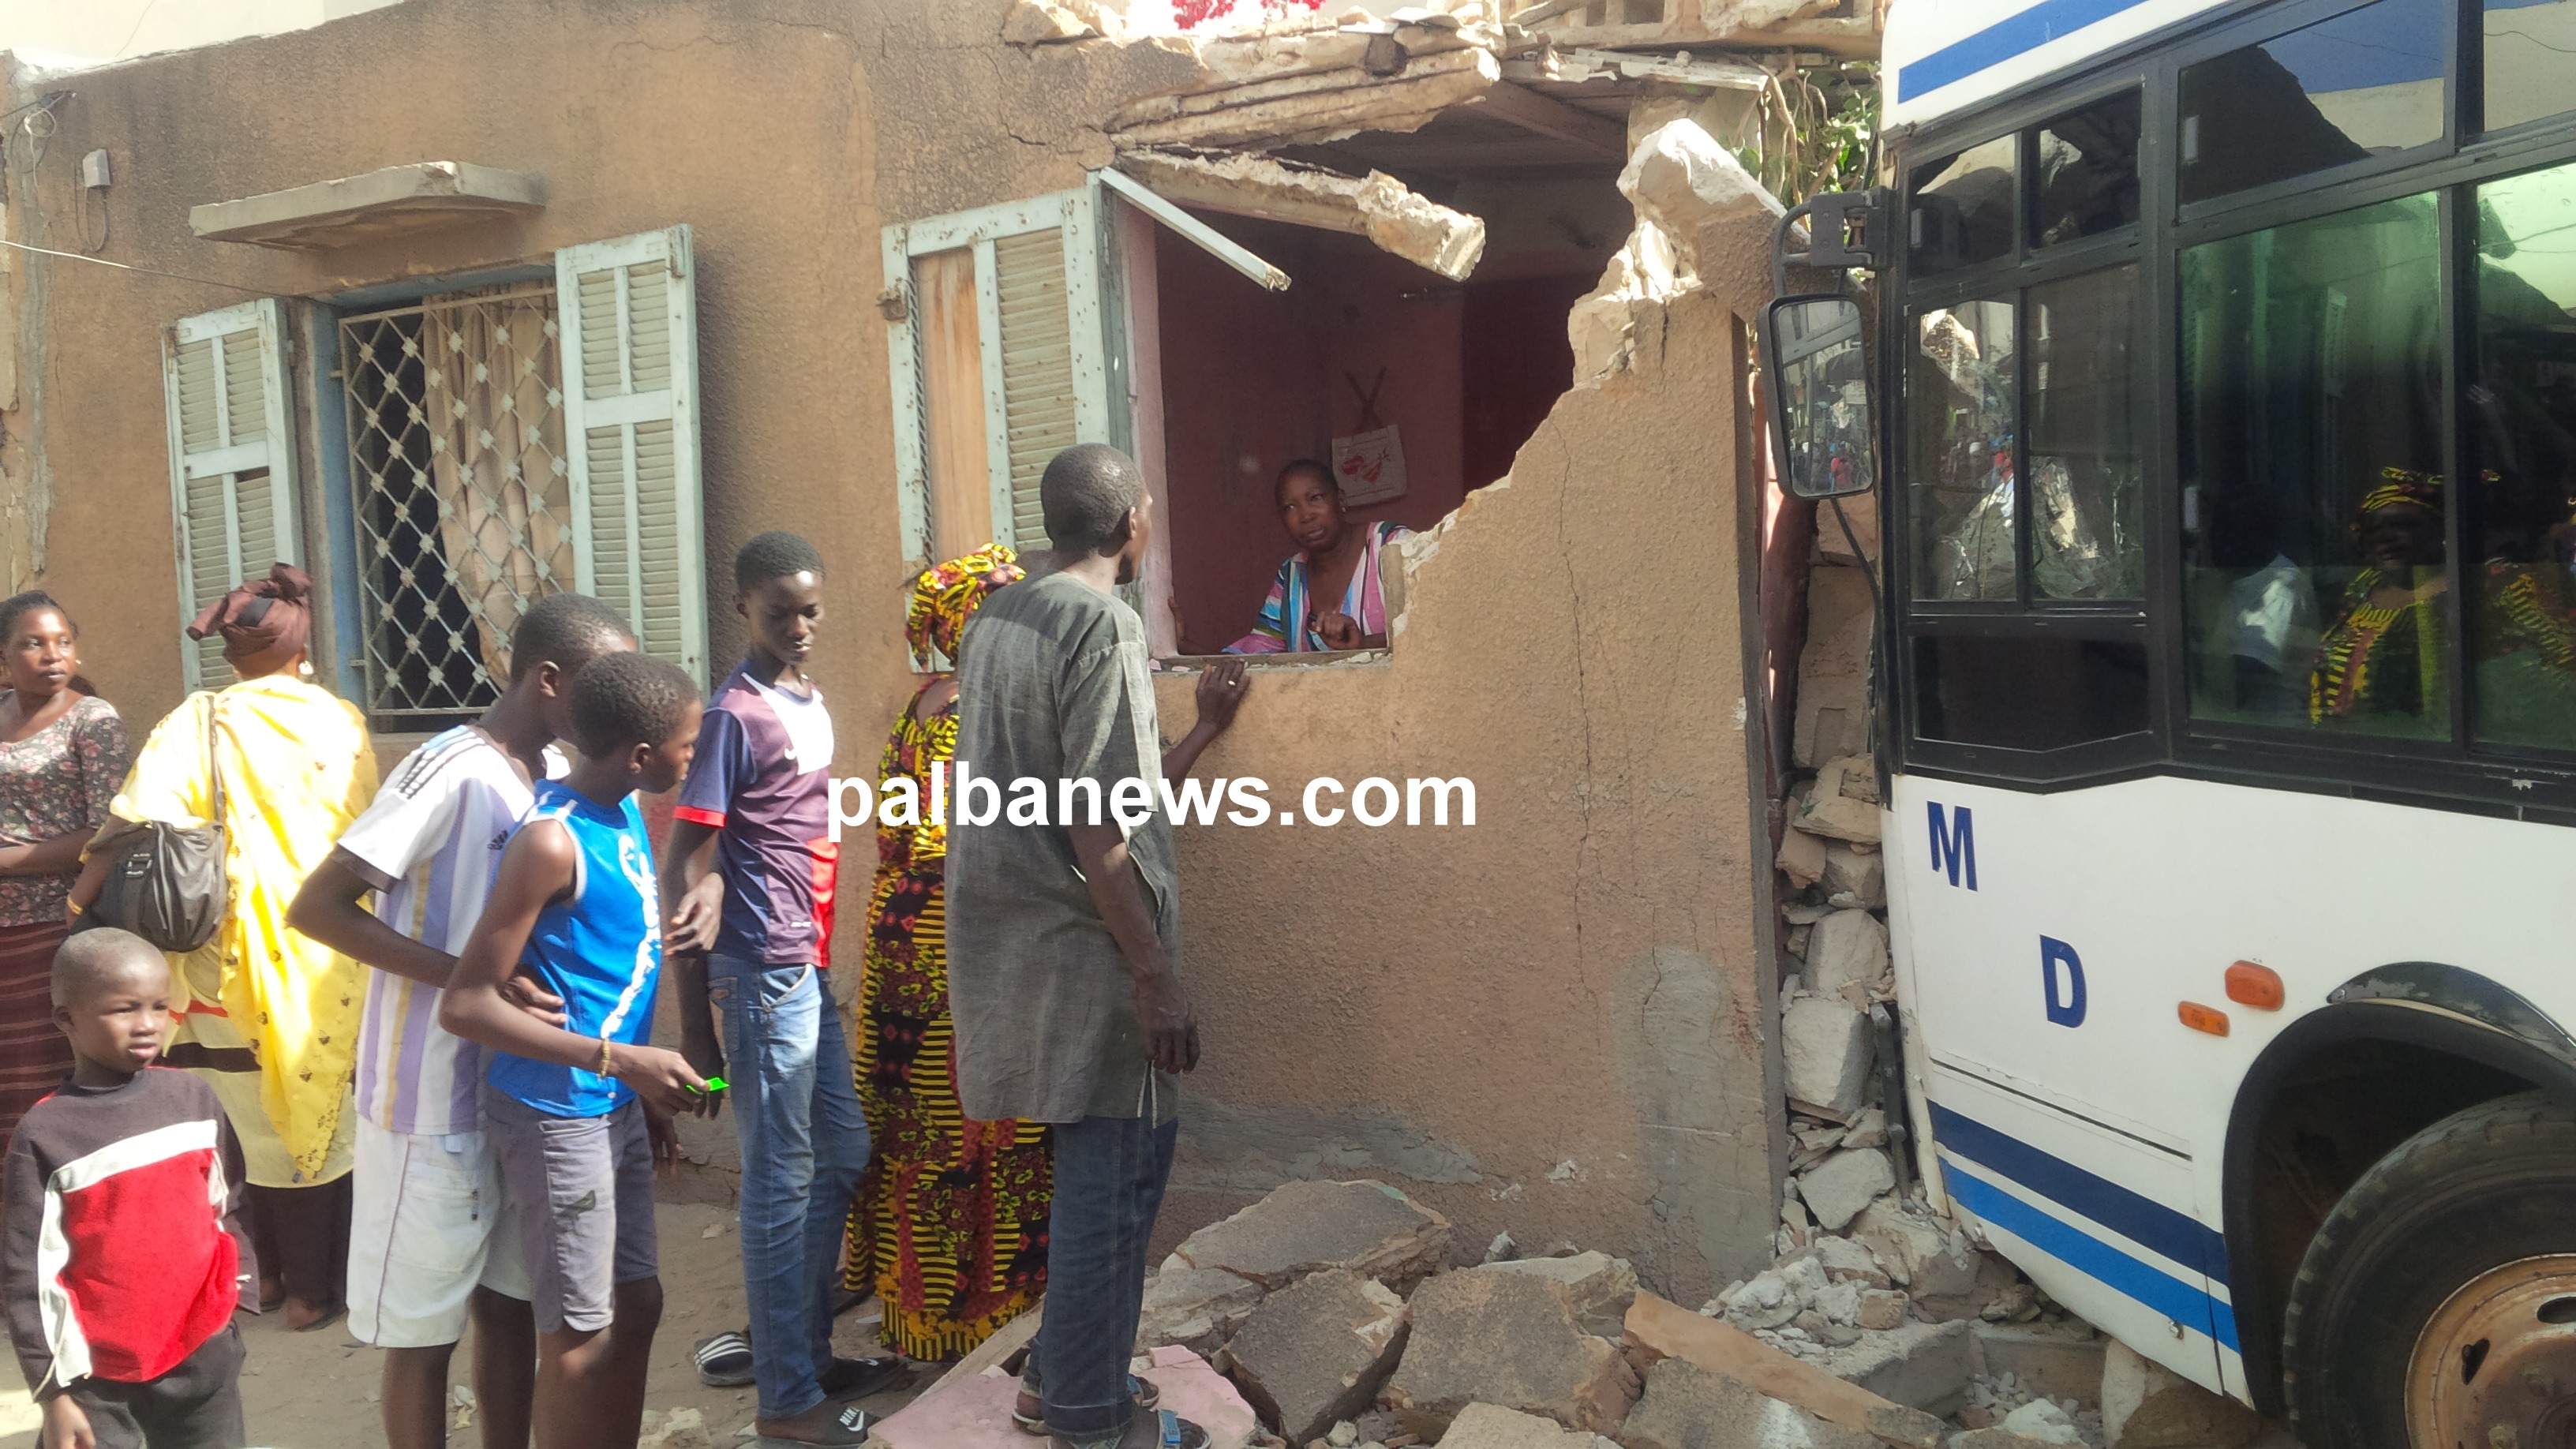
(1052,686)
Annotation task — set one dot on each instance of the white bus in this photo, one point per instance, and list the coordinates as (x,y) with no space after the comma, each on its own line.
(2219,367)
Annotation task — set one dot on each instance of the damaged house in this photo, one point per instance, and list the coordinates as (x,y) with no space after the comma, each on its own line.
(457,302)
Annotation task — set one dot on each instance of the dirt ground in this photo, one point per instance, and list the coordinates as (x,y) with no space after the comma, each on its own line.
(318,1390)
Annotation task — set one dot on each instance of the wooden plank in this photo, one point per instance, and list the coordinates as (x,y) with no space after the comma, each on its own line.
(956,453)
(1555,119)
(1657,1330)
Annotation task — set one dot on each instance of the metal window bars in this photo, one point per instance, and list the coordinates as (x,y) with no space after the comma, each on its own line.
(462,492)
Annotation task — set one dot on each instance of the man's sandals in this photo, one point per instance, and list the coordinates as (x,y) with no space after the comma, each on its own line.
(1161,1429)
(1028,1413)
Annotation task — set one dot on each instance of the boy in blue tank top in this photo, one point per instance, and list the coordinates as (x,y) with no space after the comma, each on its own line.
(579,1114)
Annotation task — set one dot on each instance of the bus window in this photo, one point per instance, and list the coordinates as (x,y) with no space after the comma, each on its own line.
(2530,60)
(1961,208)
(2085,496)
(2086,176)
(2366,82)
(1963,414)
(2521,417)
(2317,591)
(2025,693)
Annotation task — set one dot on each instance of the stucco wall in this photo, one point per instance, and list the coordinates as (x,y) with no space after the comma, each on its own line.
(1548,1022)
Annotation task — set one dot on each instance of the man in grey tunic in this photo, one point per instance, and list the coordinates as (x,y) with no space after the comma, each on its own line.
(1064,937)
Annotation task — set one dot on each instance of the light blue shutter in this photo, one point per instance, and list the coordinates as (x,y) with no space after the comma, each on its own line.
(232,462)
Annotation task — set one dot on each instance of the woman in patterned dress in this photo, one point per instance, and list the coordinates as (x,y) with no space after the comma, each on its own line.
(62,751)
(949,1230)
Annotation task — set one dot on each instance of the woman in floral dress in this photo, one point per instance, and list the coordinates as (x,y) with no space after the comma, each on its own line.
(949,1230)
(62,752)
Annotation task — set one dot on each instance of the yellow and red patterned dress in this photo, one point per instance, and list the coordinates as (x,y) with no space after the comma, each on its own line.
(950,1227)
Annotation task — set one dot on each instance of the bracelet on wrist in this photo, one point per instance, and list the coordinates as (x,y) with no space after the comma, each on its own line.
(607,1061)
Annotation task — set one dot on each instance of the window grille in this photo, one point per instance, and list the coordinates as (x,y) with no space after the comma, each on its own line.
(463,494)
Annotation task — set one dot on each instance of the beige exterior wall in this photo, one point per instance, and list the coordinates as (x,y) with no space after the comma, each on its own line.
(1550,1022)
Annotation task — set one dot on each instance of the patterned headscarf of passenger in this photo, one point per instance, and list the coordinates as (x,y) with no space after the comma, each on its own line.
(2401,485)
(947,595)
(265,622)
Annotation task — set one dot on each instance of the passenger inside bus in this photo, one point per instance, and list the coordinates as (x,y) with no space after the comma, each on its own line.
(2382,655)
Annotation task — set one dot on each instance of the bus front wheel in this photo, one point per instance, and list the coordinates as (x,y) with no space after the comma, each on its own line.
(2437,1305)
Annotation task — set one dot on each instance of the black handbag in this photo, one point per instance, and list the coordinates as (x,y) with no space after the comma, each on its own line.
(169,886)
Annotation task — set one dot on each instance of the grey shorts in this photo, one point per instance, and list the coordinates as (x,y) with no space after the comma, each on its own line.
(579,1193)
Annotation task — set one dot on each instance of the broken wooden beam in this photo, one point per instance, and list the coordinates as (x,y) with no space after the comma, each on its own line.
(1658,1330)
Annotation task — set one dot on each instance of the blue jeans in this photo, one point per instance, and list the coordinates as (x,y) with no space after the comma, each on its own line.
(1109,1176)
(804,1145)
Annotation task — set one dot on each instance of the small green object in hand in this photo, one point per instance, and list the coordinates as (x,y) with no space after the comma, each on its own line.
(715,1084)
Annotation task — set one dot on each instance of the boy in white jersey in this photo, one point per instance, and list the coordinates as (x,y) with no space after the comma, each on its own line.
(422,1255)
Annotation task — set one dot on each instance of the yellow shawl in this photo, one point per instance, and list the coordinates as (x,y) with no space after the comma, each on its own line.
(297,768)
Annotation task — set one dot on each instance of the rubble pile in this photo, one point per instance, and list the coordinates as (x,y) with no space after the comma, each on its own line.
(1348,1318)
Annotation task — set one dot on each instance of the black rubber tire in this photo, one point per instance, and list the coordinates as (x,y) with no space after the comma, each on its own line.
(2478,1189)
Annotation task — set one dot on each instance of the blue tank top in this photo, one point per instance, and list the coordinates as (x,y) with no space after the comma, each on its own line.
(600,949)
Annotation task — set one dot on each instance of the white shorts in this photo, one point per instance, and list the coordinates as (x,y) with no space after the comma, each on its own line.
(421,1236)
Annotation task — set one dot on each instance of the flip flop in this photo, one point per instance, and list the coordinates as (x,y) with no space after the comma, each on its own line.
(330,1315)
(724,1360)
(1028,1414)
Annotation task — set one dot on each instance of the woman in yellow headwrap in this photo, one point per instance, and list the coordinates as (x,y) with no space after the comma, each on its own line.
(949,1227)
(2379,664)
(268,1017)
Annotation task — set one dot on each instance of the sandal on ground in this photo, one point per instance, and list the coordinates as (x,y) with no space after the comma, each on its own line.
(724,1360)
(857,1378)
(833,1426)
(1161,1429)
(1028,1414)
(324,1319)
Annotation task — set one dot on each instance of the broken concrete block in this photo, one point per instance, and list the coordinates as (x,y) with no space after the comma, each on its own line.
(2059,1360)
(1194,1308)
(1316,1353)
(1833,668)
(1921,1365)
(1880,1308)
(1032,22)
(1508,1339)
(1861,874)
(1803,857)
(1690,1407)
(1839,1302)
(2148,1406)
(1965,1283)
(1825,1053)
(1857,776)
(1682,180)
(1847,1261)
(1419,229)
(1363,1227)
(1839,816)
(1489,1426)
(1869,1129)
(1604,323)
(1922,1252)
(676,1429)
(1994,1436)
(1849,948)
(1658,1330)
(2044,1421)
(1838,1188)
(1598,1287)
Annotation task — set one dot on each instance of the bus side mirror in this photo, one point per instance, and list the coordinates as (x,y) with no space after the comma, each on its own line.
(1824,424)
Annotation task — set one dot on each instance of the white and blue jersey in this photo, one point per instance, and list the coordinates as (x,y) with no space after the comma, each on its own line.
(600,949)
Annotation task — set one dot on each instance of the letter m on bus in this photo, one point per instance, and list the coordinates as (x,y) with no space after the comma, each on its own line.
(1954,842)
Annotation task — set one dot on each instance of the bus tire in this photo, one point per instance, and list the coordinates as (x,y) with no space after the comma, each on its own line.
(2484,1196)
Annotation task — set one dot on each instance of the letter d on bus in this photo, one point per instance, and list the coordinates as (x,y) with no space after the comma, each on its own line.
(2066,1008)
(1954,842)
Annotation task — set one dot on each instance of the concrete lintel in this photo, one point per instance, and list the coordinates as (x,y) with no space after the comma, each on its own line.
(1310,110)
(1400,221)
(418,196)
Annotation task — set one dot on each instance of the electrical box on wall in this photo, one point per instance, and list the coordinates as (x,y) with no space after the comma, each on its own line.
(93,170)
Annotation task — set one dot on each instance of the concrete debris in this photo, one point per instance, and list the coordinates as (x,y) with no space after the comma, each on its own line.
(1855,872)
(1839,816)
(1607,323)
(1839,1188)
(2063,1361)
(2148,1406)
(1658,1330)
(1399,220)
(1881,1308)
(1847,951)
(1488,1426)
(1597,1287)
(1869,1129)
(1501,1248)
(1921,1365)
(1833,668)
(1509,1339)
(2043,1420)
(1919,1251)
(1690,1407)
(1996,1437)
(1825,1053)
(1314,1354)
(1803,858)
(1683,181)
(1032,22)
(1305,1227)
(1848,1262)
(675,1429)
(1195,1308)
(1309,107)
(1774,1297)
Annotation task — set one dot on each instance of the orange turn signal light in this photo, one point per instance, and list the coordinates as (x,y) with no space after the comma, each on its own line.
(2255,986)
(2203,1018)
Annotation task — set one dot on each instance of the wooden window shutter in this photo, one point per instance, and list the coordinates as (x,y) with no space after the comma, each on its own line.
(630,368)
(232,462)
(1034,367)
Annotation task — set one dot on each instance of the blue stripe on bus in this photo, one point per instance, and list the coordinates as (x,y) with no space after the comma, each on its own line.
(2161,1291)
(2179,1236)
(2012,36)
